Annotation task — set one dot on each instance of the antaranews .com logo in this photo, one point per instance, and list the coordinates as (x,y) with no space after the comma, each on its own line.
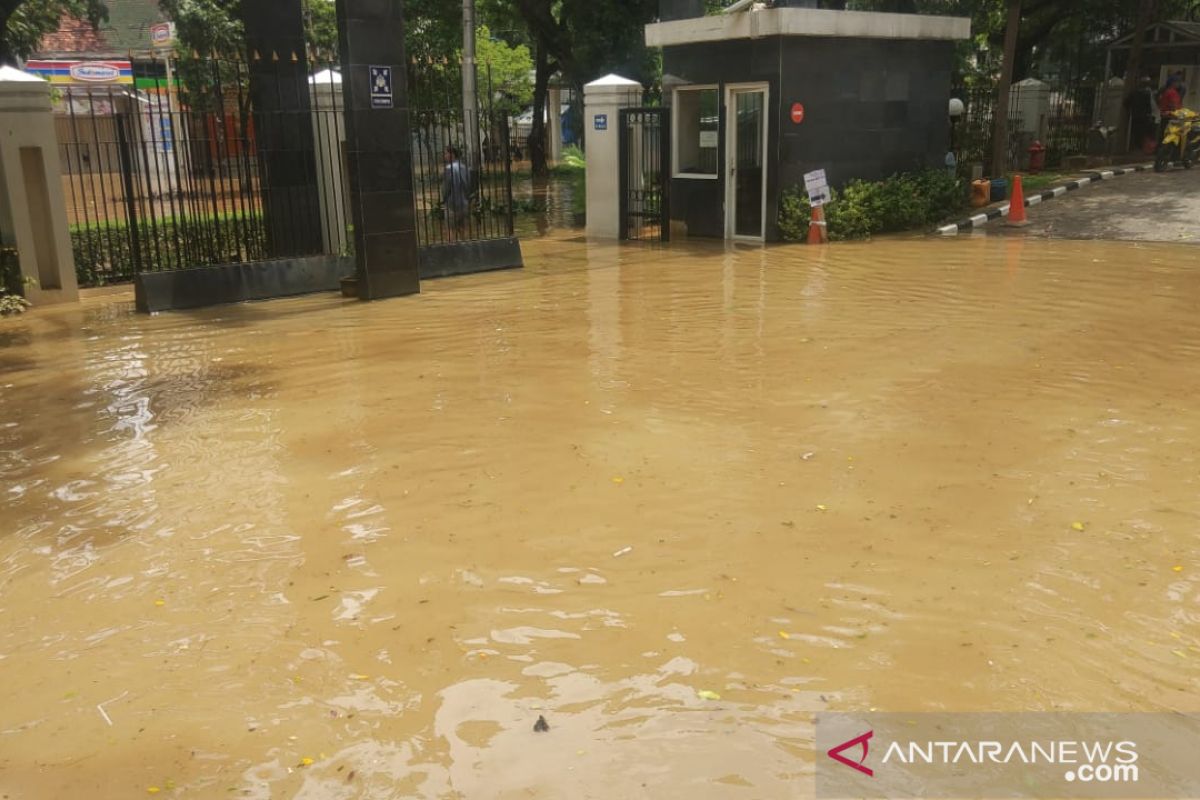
(1008,755)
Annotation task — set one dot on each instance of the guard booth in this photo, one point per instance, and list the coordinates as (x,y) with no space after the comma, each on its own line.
(759,96)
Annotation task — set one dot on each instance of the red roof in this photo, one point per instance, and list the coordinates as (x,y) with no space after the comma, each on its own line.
(73,36)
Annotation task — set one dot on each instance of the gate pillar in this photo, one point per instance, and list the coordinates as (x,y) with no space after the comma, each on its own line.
(33,209)
(379,147)
(603,101)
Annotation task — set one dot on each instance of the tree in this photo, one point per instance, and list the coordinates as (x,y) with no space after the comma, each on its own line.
(582,40)
(1146,11)
(1000,122)
(23,23)
(506,69)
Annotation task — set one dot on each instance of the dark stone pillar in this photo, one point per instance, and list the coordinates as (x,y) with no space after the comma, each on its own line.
(378,148)
(283,126)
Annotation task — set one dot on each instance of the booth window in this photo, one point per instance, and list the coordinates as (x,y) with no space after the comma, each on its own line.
(697,114)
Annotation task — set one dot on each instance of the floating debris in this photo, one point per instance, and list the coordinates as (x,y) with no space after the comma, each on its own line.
(541,726)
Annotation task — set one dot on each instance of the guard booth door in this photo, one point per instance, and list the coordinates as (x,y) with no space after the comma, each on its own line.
(645,142)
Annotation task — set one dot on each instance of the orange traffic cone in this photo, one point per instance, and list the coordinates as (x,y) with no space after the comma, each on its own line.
(818,232)
(1016,205)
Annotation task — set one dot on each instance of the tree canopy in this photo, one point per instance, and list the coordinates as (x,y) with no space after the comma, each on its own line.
(23,23)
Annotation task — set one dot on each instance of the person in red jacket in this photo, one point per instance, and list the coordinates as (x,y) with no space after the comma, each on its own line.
(1169,101)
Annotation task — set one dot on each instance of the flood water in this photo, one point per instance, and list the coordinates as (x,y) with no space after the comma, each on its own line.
(316,548)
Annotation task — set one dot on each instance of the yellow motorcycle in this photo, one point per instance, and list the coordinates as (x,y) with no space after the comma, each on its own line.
(1181,141)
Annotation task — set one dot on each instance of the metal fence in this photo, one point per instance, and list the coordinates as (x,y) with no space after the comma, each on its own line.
(171,177)
(1060,117)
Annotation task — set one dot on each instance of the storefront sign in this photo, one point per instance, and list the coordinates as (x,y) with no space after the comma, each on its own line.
(83,73)
(162,35)
(797,113)
(817,187)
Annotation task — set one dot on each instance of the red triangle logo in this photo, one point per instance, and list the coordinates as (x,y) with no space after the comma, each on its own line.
(836,753)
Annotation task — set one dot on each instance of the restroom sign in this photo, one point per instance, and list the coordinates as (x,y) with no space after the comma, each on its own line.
(817,187)
(797,113)
(381,87)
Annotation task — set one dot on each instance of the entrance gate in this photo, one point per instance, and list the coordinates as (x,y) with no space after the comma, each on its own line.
(645,158)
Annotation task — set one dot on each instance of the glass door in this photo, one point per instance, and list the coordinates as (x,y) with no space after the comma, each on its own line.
(746,190)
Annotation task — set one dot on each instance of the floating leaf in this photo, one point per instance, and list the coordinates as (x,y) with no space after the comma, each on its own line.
(1079,526)
(822,507)
(152,790)
(305,762)
(618,479)
(1177,568)
(707,694)
(160,602)
(784,635)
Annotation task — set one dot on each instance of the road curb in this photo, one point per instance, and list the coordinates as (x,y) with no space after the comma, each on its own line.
(984,217)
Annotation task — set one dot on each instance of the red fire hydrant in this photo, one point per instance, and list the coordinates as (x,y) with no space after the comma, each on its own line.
(1037,157)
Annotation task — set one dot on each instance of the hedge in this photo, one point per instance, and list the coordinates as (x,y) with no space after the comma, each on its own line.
(903,202)
(104,252)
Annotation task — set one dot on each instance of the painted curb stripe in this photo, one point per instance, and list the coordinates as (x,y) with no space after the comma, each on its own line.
(1058,191)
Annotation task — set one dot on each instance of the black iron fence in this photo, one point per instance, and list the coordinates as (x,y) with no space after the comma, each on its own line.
(1060,117)
(216,169)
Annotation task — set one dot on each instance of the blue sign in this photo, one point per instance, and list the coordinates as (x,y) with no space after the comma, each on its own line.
(601,122)
(381,87)
(166,134)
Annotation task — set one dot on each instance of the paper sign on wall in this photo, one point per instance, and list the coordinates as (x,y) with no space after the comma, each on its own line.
(817,187)
(708,138)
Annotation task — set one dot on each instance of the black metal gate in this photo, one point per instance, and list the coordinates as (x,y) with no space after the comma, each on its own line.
(645,158)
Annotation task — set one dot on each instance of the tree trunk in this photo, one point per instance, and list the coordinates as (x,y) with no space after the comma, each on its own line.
(537,135)
(6,55)
(1146,11)
(1000,123)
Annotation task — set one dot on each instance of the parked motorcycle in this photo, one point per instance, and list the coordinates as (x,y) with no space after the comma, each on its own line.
(1181,141)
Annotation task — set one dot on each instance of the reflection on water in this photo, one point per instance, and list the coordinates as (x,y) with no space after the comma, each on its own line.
(321,549)
(548,206)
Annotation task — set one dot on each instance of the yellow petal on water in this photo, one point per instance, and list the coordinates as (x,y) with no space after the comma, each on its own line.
(618,479)
(822,507)
(1077,526)
(306,762)
(1180,653)
(784,635)
(358,677)
(160,602)
(1177,568)
(152,790)
(707,694)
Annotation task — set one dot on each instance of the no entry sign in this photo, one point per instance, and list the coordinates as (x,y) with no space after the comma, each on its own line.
(797,113)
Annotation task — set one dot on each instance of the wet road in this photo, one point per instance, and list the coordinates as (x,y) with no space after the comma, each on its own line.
(1144,207)
(674,501)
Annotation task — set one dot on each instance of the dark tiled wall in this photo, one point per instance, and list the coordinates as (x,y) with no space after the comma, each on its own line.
(873,107)
(377,149)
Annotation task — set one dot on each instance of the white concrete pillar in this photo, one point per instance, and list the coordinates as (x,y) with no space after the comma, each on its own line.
(33,211)
(329,136)
(555,114)
(603,101)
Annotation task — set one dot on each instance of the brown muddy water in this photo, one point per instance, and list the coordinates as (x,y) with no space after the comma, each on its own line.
(321,549)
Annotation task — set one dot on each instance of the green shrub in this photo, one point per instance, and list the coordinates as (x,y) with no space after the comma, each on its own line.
(12,286)
(104,252)
(862,209)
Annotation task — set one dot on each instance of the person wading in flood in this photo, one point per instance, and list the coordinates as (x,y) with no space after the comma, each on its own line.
(456,194)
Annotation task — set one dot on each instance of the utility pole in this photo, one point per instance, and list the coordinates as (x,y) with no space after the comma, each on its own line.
(470,92)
